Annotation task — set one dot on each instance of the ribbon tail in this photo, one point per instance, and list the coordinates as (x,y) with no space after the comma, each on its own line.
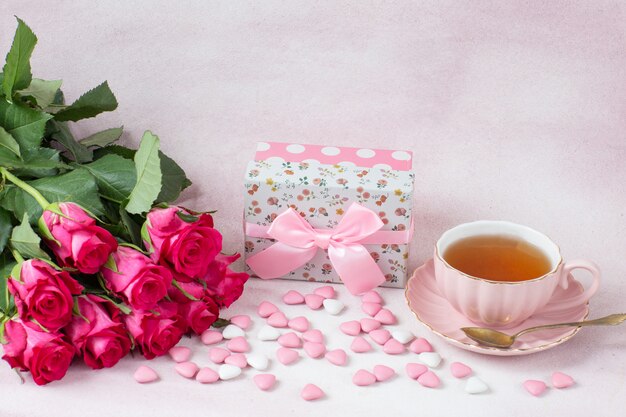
(279,259)
(355,266)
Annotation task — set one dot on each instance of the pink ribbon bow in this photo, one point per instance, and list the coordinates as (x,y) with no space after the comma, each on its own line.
(297,243)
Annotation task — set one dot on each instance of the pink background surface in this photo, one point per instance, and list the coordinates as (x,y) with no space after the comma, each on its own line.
(513,110)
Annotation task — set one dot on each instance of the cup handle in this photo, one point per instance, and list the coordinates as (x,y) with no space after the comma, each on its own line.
(589,292)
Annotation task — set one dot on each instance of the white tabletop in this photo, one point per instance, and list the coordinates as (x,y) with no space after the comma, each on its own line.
(514,111)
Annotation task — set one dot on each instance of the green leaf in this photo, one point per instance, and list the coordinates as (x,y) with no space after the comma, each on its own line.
(39,162)
(7,141)
(6,265)
(17,67)
(5,228)
(115,176)
(187,218)
(26,125)
(110,264)
(131,227)
(90,104)
(103,138)
(26,241)
(78,186)
(42,92)
(61,133)
(174,179)
(122,151)
(149,176)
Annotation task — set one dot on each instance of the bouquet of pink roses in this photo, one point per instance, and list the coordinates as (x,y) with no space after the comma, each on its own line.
(94,261)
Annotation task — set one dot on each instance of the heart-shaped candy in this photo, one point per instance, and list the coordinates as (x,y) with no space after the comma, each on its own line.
(278,319)
(460,370)
(363,378)
(326,291)
(474,385)
(432,359)
(429,379)
(314,350)
(258,361)
(268,333)
(293,297)
(238,344)
(360,345)
(402,336)
(372,297)
(383,373)
(207,376)
(380,336)
(311,392)
(227,372)
(287,356)
(210,337)
(290,340)
(370,308)
(217,354)
(186,369)
(535,387)
(337,357)
(414,370)
(300,324)
(237,359)
(145,374)
(313,336)
(333,307)
(264,381)
(314,301)
(351,328)
(393,347)
(420,345)
(180,353)
(231,331)
(243,321)
(386,317)
(561,380)
(266,309)
(367,324)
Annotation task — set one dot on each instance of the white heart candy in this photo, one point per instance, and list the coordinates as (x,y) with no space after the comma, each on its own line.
(431,359)
(227,371)
(258,361)
(231,331)
(333,306)
(268,333)
(474,385)
(402,336)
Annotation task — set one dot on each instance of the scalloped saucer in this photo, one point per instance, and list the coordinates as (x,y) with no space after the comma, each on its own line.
(433,310)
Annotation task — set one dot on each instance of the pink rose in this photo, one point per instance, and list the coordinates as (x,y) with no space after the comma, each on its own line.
(79,242)
(186,247)
(44,294)
(138,281)
(224,285)
(102,340)
(45,354)
(156,331)
(199,315)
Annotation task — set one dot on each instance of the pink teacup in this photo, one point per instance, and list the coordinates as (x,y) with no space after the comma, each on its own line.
(500,303)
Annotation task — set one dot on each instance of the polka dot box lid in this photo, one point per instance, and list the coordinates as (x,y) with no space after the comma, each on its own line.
(360,157)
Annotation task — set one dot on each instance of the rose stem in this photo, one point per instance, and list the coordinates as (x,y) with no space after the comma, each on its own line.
(24,186)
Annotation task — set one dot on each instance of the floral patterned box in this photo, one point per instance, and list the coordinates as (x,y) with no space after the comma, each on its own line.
(320,183)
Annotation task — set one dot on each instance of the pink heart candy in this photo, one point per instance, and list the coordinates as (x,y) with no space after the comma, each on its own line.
(238,344)
(383,373)
(313,336)
(293,297)
(217,355)
(237,359)
(326,291)
(429,379)
(420,345)
(460,370)
(287,356)
(380,336)
(180,353)
(561,380)
(314,301)
(393,347)
(264,381)
(314,350)
(415,370)
(372,297)
(290,340)
(360,345)
(337,357)
(367,324)
(351,328)
(145,374)
(311,392)
(186,369)
(300,324)
(210,337)
(277,319)
(363,378)
(242,321)
(385,317)
(207,376)
(266,309)
(535,387)
(370,308)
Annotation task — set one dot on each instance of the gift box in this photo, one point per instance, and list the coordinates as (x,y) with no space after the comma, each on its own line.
(329,214)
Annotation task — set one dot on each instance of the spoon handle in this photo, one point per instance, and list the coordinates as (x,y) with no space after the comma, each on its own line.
(610,320)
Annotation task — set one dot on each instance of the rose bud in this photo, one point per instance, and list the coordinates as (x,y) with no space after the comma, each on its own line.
(199,315)
(222,284)
(102,340)
(156,331)
(138,281)
(44,294)
(45,354)
(186,246)
(78,242)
